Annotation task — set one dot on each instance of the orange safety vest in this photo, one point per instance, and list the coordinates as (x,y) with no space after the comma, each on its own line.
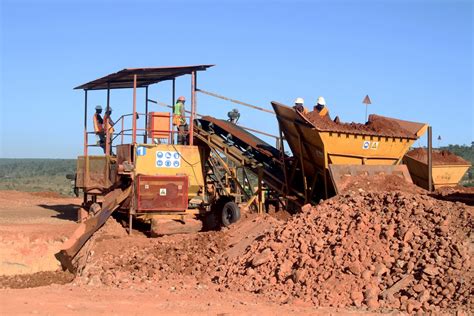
(108,125)
(98,126)
(323,112)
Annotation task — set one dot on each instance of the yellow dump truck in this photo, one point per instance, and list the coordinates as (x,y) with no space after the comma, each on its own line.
(326,151)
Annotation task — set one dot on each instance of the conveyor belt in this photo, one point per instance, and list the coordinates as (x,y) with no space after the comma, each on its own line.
(245,149)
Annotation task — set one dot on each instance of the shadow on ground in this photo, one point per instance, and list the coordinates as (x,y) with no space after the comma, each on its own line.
(466,198)
(64,211)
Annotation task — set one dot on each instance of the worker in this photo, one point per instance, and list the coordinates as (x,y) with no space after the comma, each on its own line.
(321,108)
(299,106)
(99,126)
(233,116)
(179,120)
(109,126)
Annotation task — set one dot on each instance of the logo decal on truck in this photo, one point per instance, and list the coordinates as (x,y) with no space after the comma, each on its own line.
(370,145)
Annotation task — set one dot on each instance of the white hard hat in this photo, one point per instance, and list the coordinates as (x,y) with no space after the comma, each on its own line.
(299,100)
(98,107)
(321,101)
(110,109)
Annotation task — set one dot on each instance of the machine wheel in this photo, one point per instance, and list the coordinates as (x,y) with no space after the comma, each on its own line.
(230,213)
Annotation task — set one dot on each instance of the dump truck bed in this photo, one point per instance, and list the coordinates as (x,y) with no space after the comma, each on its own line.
(318,145)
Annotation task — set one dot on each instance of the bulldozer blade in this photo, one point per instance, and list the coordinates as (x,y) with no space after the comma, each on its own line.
(87,228)
(160,227)
(340,174)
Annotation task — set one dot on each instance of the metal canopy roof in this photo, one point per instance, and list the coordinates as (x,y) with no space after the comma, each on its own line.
(145,77)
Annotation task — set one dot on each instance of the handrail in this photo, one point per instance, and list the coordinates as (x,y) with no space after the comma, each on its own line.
(212,94)
(200,115)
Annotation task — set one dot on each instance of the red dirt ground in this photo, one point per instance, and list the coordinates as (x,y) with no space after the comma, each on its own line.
(340,257)
(173,282)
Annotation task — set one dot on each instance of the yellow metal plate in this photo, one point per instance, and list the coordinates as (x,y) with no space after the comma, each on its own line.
(172,160)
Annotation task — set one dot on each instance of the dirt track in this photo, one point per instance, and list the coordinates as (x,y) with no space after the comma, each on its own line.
(186,274)
(28,220)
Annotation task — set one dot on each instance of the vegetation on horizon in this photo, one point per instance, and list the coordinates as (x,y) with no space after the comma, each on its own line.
(35,175)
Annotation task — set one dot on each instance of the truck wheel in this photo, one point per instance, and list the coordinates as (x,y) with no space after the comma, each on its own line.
(230,213)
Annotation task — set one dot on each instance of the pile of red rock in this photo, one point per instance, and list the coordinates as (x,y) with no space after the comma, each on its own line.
(133,261)
(379,250)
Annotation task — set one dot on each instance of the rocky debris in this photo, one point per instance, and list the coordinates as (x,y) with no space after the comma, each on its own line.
(439,157)
(379,250)
(135,261)
(112,258)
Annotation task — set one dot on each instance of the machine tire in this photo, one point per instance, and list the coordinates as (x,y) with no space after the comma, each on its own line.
(230,214)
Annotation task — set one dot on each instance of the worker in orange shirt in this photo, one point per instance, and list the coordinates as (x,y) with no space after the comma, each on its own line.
(321,108)
(99,126)
(109,126)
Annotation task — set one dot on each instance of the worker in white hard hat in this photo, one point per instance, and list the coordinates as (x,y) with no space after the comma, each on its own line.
(321,108)
(99,126)
(299,105)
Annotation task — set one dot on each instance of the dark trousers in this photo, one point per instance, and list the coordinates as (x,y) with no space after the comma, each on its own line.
(103,142)
(183,134)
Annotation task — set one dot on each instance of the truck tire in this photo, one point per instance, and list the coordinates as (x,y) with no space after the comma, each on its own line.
(230,214)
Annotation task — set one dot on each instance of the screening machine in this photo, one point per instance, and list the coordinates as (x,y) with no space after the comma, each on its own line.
(151,178)
(177,188)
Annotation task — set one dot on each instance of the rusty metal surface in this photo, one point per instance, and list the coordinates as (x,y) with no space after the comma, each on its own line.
(95,172)
(146,76)
(124,153)
(87,228)
(340,174)
(246,137)
(162,193)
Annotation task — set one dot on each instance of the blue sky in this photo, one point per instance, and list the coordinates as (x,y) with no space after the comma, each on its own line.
(414,59)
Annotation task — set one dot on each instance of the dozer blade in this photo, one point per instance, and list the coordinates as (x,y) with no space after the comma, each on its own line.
(87,228)
(341,174)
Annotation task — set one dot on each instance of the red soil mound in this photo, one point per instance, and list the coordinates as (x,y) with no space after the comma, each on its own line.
(395,251)
(379,183)
(376,125)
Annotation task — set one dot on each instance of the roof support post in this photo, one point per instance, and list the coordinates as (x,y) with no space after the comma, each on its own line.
(134,118)
(85,123)
(173,95)
(146,116)
(193,108)
(106,123)
(430,159)
(173,101)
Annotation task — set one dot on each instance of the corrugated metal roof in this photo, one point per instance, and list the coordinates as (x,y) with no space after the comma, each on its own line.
(145,77)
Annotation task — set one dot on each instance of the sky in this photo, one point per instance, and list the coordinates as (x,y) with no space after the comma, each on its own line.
(413,58)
